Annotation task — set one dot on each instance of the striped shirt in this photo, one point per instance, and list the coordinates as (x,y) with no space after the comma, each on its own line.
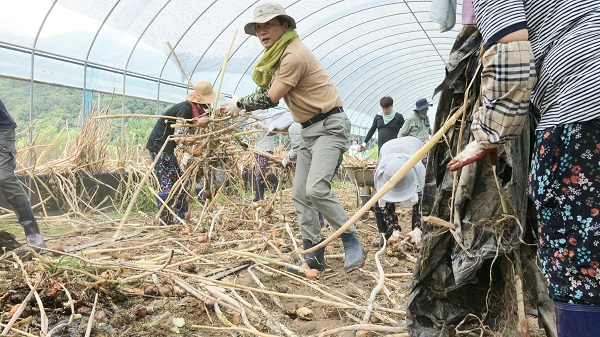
(565,39)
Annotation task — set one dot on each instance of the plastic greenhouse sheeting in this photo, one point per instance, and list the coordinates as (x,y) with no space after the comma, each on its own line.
(370,49)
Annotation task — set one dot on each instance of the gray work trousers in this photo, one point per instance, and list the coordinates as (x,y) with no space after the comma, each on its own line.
(321,145)
(10,187)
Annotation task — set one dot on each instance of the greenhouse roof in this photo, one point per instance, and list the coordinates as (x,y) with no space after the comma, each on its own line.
(370,49)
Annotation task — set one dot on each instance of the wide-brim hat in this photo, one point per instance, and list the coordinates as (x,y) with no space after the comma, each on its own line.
(265,12)
(406,188)
(422,104)
(203,93)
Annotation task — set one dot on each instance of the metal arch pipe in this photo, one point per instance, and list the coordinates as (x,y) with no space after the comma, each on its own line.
(416,71)
(219,35)
(310,33)
(402,78)
(432,61)
(131,55)
(257,56)
(403,109)
(354,63)
(410,91)
(398,62)
(182,36)
(371,78)
(87,58)
(413,93)
(374,41)
(254,61)
(31,74)
(424,31)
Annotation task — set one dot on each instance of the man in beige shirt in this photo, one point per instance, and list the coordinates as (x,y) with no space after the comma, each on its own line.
(289,70)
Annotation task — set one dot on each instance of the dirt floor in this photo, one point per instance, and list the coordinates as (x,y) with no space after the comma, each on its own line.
(174,281)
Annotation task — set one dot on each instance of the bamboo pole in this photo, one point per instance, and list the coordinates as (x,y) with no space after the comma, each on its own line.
(223,73)
(393,180)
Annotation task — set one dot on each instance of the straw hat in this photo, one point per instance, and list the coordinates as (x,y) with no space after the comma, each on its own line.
(203,93)
(265,12)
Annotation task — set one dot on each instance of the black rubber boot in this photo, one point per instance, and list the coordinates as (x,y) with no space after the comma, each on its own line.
(354,253)
(382,227)
(314,260)
(27,220)
(32,233)
(259,191)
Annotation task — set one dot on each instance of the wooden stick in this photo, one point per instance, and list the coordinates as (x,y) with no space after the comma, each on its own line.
(393,180)
(138,116)
(439,222)
(88,331)
(223,72)
(181,69)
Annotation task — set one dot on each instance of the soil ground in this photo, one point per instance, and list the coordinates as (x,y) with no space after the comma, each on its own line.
(141,304)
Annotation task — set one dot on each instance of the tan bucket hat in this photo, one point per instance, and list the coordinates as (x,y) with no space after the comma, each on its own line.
(265,12)
(203,93)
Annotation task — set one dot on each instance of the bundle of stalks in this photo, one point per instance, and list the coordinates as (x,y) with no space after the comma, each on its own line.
(350,161)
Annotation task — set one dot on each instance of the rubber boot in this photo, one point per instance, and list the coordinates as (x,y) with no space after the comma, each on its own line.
(32,233)
(382,227)
(416,216)
(180,208)
(577,320)
(27,220)
(354,253)
(259,191)
(314,260)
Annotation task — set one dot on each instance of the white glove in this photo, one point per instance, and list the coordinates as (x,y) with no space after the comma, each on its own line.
(230,107)
(363,144)
(415,236)
(285,162)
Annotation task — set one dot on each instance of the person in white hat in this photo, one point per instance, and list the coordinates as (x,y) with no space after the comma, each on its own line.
(288,69)
(392,156)
(167,168)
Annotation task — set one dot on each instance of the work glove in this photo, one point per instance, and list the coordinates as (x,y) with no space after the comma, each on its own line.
(230,107)
(290,158)
(473,152)
(363,146)
(201,122)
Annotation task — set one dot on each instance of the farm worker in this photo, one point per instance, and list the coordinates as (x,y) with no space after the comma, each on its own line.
(392,156)
(558,42)
(10,187)
(417,125)
(167,169)
(387,123)
(289,70)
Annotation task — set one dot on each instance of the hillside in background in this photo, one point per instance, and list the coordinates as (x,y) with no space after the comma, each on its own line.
(57,109)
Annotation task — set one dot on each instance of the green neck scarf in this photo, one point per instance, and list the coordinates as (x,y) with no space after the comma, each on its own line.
(266,66)
(388,118)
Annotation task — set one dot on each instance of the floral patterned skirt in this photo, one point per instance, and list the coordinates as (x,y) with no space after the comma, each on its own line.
(565,185)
